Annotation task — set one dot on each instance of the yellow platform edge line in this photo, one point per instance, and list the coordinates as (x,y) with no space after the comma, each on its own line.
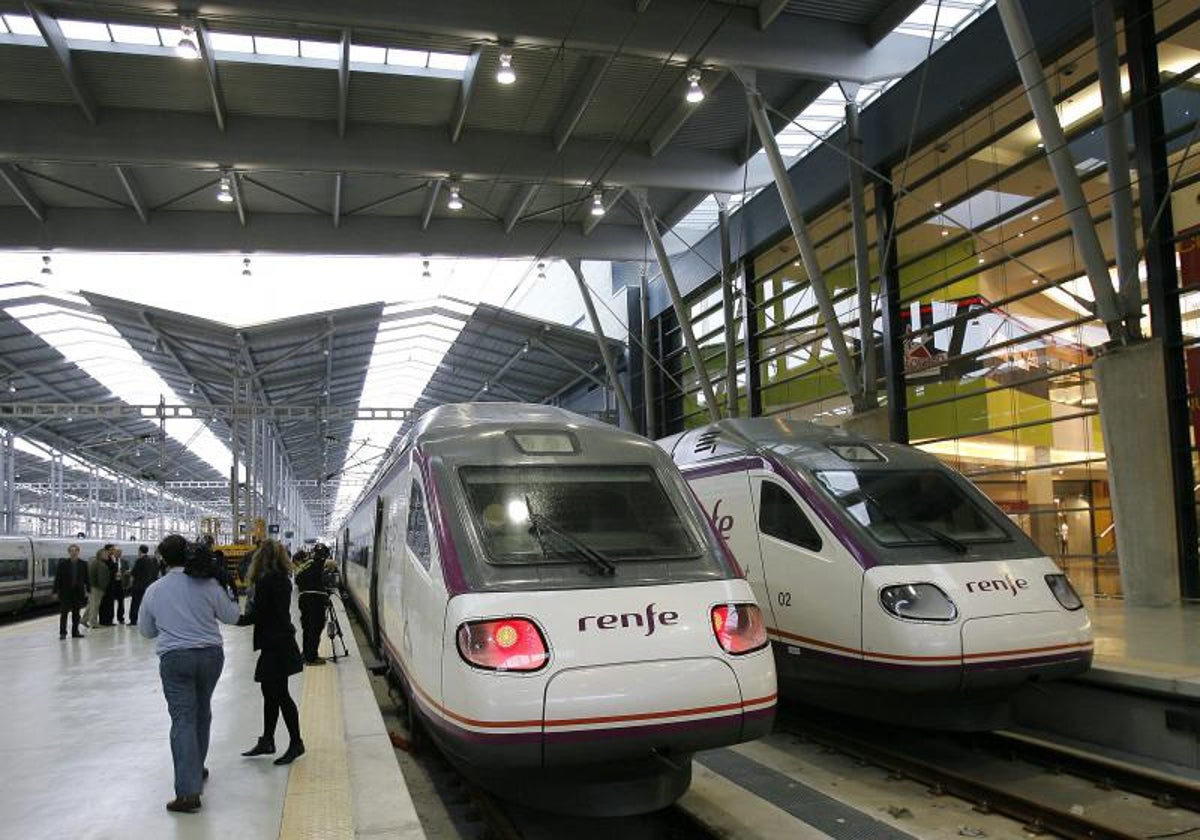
(318,804)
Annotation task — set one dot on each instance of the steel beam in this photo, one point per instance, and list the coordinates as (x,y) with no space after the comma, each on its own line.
(1116,147)
(235,186)
(338,178)
(580,99)
(57,42)
(1066,177)
(17,182)
(343,101)
(34,132)
(610,366)
(131,190)
(808,253)
(465,88)
(685,323)
(731,383)
(431,196)
(862,261)
(517,206)
(768,11)
(651,416)
(889,18)
(682,112)
(207,57)
(893,325)
(750,341)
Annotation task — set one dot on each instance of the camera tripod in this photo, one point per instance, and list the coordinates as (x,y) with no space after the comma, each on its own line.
(333,628)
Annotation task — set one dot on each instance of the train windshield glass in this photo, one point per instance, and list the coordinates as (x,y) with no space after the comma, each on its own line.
(587,514)
(912,507)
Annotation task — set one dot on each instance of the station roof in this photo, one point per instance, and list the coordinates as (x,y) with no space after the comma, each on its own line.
(341,128)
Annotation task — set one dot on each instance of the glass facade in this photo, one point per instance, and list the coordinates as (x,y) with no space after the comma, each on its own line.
(996,313)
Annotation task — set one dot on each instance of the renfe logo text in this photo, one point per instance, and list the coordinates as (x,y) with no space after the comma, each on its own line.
(650,620)
(1006,584)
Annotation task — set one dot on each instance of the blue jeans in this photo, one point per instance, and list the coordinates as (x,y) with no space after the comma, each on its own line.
(188,678)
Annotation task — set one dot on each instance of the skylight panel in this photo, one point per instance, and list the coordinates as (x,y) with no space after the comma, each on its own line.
(146,36)
(228,42)
(289,47)
(21,25)
(368,55)
(324,50)
(407,58)
(84,30)
(448,61)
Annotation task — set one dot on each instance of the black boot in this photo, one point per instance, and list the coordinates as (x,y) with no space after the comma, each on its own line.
(294,751)
(265,746)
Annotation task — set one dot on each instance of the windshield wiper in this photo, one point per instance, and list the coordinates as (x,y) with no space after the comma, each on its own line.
(539,524)
(944,538)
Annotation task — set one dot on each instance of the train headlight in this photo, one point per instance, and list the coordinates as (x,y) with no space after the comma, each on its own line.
(918,601)
(739,628)
(1064,592)
(509,644)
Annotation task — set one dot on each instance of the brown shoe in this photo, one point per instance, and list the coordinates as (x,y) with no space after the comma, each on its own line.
(184,804)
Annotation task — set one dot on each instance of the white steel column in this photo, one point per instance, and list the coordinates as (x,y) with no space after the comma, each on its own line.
(609,365)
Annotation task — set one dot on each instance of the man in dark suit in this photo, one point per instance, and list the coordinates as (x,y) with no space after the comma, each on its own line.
(70,584)
(145,572)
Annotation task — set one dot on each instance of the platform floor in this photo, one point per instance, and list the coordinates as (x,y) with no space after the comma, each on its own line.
(1154,648)
(84,749)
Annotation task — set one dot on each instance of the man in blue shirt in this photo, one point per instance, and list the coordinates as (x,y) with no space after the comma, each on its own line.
(182,612)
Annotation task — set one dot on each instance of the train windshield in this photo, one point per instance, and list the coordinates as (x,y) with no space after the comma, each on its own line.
(587,514)
(908,507)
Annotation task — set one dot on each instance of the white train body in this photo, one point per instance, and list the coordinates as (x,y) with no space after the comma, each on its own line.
(28,564)
(880,569)
(607,676)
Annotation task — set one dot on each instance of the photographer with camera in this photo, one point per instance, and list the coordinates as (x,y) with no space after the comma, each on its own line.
(314,599)
(181,611)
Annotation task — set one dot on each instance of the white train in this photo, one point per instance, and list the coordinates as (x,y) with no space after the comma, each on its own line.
(27,566)
(566,625)
(892,586)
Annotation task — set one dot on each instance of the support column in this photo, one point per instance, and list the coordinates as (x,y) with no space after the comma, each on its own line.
(1162,281)
(731,384)
(893,324)
(685,323)
(862,261)
(1054,140)
(8,483)
(610,366)
(808,253)
(750,343)
(648,376)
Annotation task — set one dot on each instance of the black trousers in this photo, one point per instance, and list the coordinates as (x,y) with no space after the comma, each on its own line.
(276,700)
(312,619)
(135,601)
(63,609)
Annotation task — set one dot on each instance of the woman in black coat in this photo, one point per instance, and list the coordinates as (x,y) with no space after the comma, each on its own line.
(269,610)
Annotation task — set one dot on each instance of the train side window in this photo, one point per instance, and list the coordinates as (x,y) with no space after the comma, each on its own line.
(779,516)
(14,569)
(418,526)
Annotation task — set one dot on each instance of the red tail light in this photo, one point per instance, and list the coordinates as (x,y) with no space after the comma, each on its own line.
(739,627)
(510,644)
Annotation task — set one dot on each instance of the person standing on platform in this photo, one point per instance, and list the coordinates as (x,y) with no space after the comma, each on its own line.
(119,566)
(182,612)
(98,579)
(275,639)
(71,586)
(145,572)
(310,580)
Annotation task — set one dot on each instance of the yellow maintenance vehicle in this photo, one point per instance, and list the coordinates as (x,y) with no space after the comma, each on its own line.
(236,551)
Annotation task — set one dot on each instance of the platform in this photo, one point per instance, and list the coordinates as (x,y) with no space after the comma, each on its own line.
(1146,648)
(84,751)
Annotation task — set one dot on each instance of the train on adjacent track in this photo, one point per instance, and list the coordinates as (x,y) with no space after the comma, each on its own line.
(565,624)
(27,566)
(892,586)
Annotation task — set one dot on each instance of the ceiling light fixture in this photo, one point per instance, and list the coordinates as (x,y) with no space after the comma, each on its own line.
(597,204)
(225,190)
(46,269)
(980,260)
(245,266)
(945,232)
(541,271)
(187,46)
(455,200)
(506,75)
(425,272)
(12,386)
(694,92)
(192,389)
(1035,218)
(937,205)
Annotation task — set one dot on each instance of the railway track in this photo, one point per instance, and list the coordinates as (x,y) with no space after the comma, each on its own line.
(903,757)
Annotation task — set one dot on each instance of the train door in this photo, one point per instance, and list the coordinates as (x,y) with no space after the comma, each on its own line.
(812,583)
(345,552)
(424,603)
(373,591)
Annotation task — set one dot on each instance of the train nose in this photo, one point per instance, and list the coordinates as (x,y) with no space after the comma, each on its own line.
(617,712)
